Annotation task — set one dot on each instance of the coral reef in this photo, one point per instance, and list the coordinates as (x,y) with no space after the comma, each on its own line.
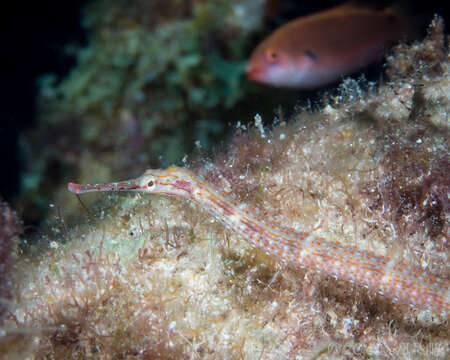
(147,277)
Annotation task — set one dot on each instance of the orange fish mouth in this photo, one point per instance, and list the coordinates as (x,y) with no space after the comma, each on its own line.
(253,71)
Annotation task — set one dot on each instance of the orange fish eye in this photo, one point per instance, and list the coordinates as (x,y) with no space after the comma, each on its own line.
(271,55)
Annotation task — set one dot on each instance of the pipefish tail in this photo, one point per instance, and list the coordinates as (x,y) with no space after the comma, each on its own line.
(387,277)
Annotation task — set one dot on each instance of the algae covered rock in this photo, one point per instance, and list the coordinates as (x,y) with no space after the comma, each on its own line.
(156,277)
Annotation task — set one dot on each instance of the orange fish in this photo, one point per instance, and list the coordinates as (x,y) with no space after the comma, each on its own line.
(318,49)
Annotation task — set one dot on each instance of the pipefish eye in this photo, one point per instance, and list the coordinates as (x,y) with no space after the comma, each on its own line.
(150,184)
(271,55)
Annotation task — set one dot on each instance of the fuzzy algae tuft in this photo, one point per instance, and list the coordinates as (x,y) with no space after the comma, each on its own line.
(369,169)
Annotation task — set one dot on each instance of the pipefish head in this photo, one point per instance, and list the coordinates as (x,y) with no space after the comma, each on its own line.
(171,181)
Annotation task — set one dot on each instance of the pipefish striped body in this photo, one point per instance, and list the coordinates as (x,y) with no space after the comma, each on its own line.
(387,277)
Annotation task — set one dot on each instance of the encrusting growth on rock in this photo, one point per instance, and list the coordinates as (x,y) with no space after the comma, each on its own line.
(10,228)
(387,277)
